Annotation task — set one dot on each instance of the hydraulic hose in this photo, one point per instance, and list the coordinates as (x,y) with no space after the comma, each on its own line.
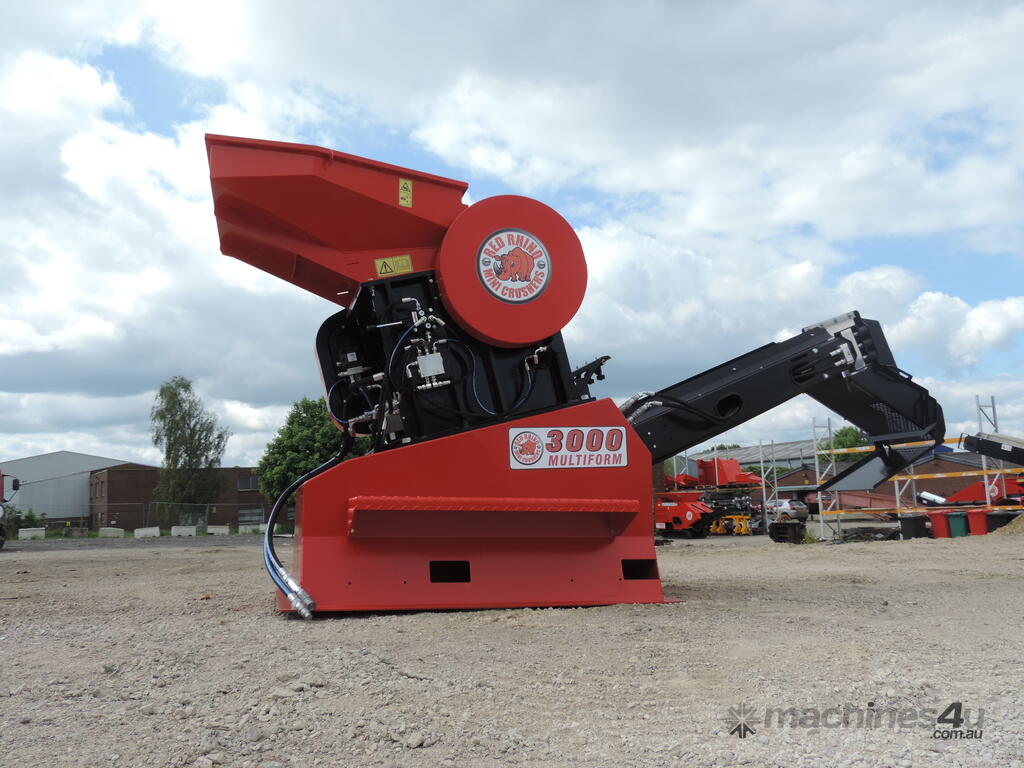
(273,573)
(524,395)
(289,587)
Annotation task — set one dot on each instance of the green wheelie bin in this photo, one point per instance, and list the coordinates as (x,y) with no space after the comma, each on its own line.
(957,524)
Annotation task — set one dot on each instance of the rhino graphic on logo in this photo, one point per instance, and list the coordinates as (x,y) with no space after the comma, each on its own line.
(529,446)
(516,265)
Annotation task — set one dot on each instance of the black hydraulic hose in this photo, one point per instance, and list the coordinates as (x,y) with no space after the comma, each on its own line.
(279,504)
(673,403)
(528,384)
(524,394)
(291,589)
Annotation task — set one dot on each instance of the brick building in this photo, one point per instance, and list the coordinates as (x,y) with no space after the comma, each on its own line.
(122,496)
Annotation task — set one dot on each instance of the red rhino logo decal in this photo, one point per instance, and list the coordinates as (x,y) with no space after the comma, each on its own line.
(517,264)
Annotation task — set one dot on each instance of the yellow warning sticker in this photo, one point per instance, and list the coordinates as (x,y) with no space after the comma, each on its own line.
(393,265)
(405,193)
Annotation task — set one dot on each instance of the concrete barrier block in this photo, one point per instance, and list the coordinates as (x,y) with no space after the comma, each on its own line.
(218,530)
(183,530)
(31,533)
(111,533)
(252,528)
(147,533)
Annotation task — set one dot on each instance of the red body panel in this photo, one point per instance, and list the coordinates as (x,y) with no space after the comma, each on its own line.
(367,530)
(320,219)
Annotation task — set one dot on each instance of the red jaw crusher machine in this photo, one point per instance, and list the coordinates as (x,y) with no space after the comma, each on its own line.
(495,479)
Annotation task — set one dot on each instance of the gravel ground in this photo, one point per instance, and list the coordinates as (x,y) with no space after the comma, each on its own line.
(158,653)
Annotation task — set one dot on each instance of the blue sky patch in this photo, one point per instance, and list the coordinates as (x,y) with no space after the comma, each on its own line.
(943,141)
(160,97)
(943,261)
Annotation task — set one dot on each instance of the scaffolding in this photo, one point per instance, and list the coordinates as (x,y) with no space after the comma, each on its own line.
(828,501)
(988,413)
(769,483)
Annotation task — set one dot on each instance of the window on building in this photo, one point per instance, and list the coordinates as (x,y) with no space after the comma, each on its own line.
(250,516)
(248,483)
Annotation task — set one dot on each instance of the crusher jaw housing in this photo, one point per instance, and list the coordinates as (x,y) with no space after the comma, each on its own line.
(495,479)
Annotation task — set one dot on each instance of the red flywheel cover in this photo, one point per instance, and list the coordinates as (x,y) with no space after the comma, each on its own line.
(511,271)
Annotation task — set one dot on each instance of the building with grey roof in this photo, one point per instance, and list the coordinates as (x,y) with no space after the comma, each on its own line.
(54,484)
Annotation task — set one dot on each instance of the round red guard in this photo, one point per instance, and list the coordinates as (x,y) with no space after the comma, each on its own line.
(511,271)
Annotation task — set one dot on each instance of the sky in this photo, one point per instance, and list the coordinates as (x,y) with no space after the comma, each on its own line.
(735,171)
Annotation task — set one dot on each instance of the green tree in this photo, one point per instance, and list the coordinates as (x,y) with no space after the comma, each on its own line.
(848,437)
(307,439)
(193,445)
(725,447)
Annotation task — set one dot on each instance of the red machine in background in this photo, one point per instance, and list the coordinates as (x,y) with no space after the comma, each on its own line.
(495,478)
(713,473)
(691,513)
(1005,490)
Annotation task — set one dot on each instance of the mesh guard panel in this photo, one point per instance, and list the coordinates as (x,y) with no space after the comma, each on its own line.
(895,421)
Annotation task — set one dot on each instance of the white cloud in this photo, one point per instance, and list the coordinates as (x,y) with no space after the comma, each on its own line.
(880,292)
(929,323)
(991,324)
(73,29)
(115,442)
(956,334)
(41,87)
(242,415)
(19,336)
(115,426)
